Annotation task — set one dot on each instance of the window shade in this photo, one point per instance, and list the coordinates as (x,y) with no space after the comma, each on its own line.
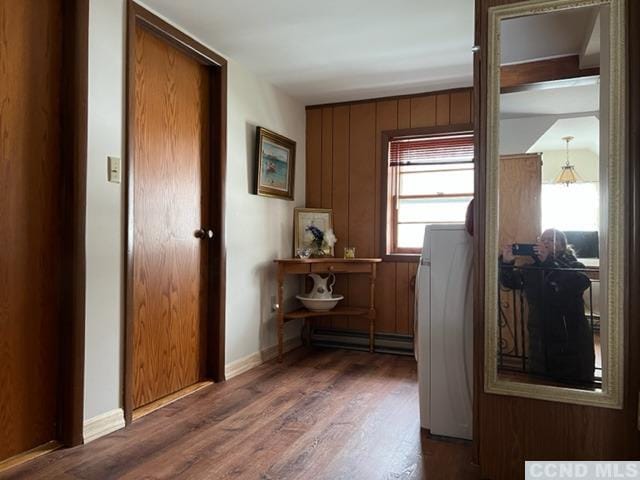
(431,150)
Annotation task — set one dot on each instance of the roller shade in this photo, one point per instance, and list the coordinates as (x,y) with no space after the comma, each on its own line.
(431,150)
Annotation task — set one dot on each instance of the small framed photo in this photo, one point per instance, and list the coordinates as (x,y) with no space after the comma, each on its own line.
(313,229)
(275,164)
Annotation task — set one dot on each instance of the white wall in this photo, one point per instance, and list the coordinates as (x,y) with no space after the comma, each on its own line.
(103,327)
(517,135)
(258,229)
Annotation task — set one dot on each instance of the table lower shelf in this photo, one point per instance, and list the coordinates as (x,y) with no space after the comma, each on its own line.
(347,311)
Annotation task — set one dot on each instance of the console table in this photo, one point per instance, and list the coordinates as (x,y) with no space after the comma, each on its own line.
(298,266)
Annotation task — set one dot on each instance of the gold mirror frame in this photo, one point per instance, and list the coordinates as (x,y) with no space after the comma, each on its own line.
(611,395)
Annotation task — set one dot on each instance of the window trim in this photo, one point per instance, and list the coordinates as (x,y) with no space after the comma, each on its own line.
(387,214)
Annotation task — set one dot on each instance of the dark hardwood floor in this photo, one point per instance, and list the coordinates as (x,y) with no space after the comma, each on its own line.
(322,414)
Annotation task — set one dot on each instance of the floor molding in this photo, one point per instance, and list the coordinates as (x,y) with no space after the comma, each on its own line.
(103,424)
(245,364)
(29,455)
(164,401)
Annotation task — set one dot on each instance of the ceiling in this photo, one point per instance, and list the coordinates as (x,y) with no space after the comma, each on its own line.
(337,50)
(567,98)
(536,37)
(536,120)
(585,130)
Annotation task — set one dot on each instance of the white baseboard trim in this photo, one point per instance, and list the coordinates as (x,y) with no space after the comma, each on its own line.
(245,364)
(103,424)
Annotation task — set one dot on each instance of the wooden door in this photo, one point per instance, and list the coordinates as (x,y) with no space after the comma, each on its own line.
(170,204)
(31,228)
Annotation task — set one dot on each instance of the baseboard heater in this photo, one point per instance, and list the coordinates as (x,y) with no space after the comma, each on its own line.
(383,342)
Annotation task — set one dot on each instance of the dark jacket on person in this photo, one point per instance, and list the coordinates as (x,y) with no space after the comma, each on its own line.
(560,337)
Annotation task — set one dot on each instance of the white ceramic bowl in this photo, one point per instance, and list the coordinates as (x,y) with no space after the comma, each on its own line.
(319,304)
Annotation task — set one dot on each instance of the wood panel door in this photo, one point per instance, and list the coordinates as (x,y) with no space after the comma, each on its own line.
(170,168)
(42,121)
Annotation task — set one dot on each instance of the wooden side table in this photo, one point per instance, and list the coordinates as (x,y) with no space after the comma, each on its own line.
(326,265)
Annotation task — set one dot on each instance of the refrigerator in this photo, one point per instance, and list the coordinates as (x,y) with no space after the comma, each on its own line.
(444,331)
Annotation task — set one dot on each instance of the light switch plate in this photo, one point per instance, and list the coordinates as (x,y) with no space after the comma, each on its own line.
(114,169)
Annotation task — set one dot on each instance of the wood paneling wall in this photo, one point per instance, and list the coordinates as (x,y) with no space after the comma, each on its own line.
(344,159)
(510,430)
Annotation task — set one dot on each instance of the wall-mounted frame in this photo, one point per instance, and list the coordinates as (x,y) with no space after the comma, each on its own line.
(611,393)
(274,164)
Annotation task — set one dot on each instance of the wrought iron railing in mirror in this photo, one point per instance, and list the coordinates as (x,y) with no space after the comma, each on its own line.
(549,325)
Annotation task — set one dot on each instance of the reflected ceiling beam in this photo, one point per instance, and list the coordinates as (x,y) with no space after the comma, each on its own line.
(553,84)
(541,71)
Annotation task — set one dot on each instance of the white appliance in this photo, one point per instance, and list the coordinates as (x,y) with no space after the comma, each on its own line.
(444,331)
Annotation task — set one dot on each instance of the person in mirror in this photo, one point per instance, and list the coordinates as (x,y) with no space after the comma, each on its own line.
(560,336)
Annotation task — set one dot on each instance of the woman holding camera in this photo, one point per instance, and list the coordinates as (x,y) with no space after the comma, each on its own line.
(560,337)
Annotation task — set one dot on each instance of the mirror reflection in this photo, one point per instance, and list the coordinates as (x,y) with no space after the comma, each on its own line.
(553,151)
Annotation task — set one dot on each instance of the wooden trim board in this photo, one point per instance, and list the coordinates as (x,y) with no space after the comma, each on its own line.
(244,364)
(162,402)
(29,455)
(103,424)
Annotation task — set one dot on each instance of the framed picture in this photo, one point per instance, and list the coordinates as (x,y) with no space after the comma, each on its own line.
(275,164)
(308,223)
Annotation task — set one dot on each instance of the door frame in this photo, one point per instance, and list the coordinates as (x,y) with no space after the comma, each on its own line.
(217,70)
(74,122)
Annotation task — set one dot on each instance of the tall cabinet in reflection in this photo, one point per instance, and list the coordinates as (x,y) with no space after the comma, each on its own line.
(520,208)
(519,221)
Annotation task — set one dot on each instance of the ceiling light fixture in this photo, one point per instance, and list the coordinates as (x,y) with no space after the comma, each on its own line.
(568,174)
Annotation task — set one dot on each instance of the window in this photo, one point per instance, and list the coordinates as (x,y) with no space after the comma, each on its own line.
(572,208)
(429,179)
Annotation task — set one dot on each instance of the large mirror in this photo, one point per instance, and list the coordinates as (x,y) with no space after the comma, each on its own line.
(554,239)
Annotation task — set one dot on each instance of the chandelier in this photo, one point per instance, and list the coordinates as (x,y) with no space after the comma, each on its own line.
(568,174)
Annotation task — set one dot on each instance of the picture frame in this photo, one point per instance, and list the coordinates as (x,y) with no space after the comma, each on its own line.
(275,161)
(321,218)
